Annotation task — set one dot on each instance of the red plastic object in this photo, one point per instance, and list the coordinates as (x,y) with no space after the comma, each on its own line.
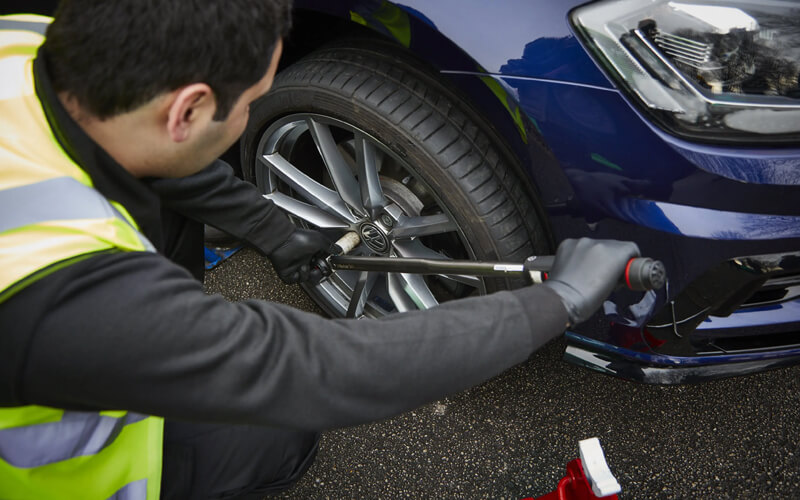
(573,486)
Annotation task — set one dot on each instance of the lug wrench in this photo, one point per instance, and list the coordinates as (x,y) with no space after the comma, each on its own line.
(641,273)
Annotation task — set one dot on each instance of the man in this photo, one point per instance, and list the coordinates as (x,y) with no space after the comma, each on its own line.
(106,131)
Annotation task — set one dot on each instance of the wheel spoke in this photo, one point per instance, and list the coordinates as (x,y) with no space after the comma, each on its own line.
(367,161)
(401,300)
(409,292)
(308,213)
(308,188)
(423,225)
(366,280)
(340,171)
(415,249)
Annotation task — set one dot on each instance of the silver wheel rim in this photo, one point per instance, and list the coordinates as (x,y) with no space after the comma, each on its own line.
(350,181)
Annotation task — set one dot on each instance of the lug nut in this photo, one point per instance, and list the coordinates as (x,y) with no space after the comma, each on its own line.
(387,220)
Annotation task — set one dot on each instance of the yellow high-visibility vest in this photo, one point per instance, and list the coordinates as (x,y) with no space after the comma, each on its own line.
(51,217)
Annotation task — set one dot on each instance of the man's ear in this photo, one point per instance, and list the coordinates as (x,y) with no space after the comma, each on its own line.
(191,108)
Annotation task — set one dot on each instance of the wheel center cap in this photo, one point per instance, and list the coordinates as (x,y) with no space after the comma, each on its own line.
(374,237)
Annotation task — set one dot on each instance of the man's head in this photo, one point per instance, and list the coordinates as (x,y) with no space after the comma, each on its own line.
(187,68)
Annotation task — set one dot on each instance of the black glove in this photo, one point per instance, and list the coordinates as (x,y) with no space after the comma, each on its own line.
(293,259)
(585,271)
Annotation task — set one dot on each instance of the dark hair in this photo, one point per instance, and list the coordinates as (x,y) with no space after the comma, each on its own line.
(115,55)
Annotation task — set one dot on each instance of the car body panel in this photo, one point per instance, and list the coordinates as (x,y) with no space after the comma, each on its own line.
(602,169)
(458,26)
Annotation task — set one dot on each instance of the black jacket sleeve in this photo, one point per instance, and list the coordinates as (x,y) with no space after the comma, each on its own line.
(133,331)
(215,196)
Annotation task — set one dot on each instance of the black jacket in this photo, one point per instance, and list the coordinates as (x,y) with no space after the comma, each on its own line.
(135,331)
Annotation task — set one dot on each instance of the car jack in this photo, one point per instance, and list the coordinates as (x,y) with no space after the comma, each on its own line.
(587,478)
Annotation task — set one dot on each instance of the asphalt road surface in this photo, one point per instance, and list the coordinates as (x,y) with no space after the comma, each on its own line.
(511,437)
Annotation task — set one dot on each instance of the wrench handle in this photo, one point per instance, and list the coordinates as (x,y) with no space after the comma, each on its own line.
(644,273)
(641,273)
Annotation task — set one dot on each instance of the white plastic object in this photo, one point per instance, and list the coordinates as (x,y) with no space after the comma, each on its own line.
(596,469)
(348,242)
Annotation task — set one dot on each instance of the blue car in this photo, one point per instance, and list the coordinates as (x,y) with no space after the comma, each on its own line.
(494,130)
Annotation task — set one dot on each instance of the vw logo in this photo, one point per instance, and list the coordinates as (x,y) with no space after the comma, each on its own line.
(374,238)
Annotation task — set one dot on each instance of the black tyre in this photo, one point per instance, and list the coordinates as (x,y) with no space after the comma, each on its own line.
(352,139)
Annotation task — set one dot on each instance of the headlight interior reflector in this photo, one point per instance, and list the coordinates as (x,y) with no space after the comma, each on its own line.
(711,70)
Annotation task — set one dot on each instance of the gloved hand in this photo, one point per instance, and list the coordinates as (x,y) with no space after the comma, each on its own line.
(293,259)
(585,271)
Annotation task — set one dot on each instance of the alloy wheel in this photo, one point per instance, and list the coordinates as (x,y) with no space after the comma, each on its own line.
(332,176)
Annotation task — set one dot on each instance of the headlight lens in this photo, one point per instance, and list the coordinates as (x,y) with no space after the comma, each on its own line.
(712,70)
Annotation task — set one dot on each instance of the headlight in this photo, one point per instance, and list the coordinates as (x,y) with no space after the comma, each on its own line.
(711,70)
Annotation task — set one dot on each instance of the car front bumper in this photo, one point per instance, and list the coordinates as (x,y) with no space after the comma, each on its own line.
(725,221)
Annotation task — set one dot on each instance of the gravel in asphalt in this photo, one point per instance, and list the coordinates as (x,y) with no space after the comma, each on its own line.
(511,437)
